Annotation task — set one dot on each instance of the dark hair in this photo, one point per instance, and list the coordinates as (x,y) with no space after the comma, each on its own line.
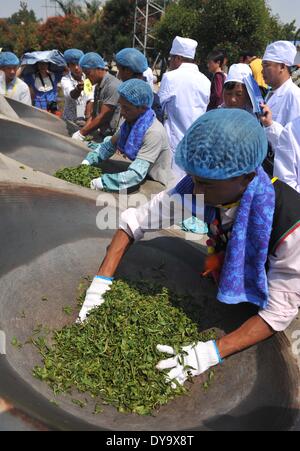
(245,53)
(216,56)
(224,51)
(187,60)
(134,74)
(230,85)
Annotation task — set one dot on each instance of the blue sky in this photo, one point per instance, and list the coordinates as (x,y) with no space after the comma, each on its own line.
(287,9)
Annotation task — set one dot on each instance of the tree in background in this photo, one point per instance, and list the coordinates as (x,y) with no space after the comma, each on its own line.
(233,25)
(23,26)
(69,7)
(103,29)
(107,26)
(23,16)
(91,10)
(63,32)
(6,42)
(114,29)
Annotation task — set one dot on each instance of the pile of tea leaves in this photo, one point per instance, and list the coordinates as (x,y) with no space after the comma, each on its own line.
(112,355)
(82,175)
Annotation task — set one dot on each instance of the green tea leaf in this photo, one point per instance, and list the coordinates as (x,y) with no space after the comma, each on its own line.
(82,175)
(112,355)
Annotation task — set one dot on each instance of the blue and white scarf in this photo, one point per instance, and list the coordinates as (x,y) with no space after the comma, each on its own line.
(132,137)
(243,276)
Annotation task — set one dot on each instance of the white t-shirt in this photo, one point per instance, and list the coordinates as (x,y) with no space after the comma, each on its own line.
(74,108)
(17,90)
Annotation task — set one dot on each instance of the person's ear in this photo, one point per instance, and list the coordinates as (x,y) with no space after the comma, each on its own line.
(129,73)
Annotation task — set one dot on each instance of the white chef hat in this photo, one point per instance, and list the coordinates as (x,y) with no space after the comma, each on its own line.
(283,52)
(184,47)
(238,72)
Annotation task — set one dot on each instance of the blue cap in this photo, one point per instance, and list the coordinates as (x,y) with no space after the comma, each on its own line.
(138,92)
(221,144)
(92,61)
(8,59)
(133,59)
(72,56)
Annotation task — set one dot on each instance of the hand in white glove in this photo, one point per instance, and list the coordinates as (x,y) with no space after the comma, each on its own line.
(194,360)
(78,136)
(97,184)
(85,163)
(93,298)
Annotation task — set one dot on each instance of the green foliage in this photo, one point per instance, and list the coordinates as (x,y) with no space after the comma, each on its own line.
(61,33)
(179,20)
(231,24)
(107,27)
(88,11)
(114,29)
(69,7)
(6,34)
(19,32)
(82,175)
(23,16)
(113,354)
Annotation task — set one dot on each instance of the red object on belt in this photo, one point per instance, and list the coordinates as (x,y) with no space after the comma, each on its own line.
(213,266)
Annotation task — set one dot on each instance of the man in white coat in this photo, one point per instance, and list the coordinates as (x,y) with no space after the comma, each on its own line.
(286,145)
(184,93)
(284,98)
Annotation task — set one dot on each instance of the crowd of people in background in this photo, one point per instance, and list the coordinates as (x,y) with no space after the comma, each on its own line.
(92,100)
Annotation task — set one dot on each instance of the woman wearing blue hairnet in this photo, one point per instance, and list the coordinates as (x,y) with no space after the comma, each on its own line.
(142,139)
(254,235)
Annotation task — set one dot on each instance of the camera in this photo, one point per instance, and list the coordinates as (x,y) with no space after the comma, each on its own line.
(52,106)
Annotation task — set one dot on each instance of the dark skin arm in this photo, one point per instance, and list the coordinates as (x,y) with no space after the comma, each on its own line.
(115,252)
(103,118)
(31,93)
(89,111)
(77,91)
(250,333)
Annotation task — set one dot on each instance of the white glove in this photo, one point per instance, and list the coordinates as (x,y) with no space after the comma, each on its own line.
(97,184)
(78,136)
(93,298)
(194,360)
(85,163)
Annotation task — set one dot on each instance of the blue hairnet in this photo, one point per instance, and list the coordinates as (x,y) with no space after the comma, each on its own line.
(138,92)
(92,61)
(221,144)
(72,56)
(133,59)
(8,59)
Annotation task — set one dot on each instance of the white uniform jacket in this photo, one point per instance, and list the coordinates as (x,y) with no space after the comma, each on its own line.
(286,145)
(184,95)
(285,103)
